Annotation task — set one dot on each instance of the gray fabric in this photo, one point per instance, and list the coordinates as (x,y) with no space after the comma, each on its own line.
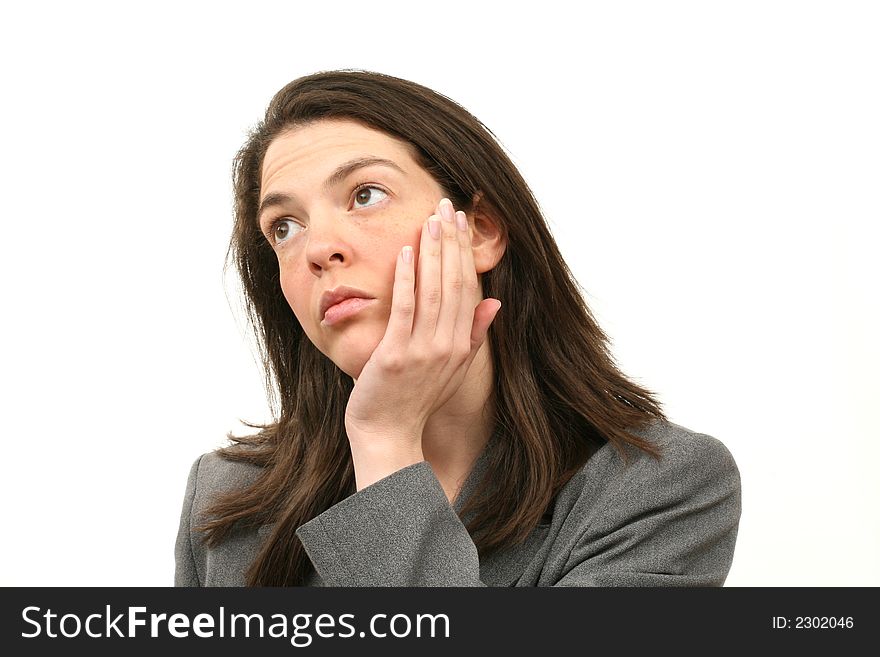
(667,523)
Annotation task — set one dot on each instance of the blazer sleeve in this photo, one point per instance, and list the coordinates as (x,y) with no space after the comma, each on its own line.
(185,571)
(399,531)
(673,524)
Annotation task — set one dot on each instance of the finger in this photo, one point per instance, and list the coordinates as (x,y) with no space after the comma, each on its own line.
(484,314)
(428,290)
(403,300)
(450,258)
(470,296)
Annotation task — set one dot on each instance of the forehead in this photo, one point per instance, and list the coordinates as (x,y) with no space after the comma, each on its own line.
(317,147)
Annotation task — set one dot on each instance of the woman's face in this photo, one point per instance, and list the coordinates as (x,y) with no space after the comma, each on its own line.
(336,219)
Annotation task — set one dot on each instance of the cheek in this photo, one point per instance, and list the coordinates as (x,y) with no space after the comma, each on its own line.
(293,291)
(384,249)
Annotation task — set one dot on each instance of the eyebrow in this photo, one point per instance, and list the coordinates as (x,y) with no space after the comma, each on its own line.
(340,174)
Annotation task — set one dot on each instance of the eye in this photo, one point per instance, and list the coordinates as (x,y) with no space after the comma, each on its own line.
(282,229)
(366,193)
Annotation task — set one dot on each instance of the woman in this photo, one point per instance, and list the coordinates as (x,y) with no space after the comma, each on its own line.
(448,412)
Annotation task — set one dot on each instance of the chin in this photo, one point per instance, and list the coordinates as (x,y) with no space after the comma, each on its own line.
(351,365)
(351,353)
(354,371)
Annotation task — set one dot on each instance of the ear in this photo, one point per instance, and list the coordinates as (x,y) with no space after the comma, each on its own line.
(488,234)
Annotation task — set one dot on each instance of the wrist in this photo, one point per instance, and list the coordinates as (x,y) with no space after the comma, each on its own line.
(376,456)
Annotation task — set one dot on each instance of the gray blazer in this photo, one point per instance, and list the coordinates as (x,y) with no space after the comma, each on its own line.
(667,523)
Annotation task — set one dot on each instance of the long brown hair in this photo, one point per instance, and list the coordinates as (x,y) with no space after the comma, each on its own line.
(557,393)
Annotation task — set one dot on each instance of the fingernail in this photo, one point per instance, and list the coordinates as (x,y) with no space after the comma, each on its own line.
(407,254)
(446,209)
(461,220)
(434,228)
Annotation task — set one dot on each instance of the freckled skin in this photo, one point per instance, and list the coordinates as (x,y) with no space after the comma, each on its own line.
(345,243)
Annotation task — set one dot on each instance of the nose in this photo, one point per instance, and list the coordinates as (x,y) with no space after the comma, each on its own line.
(327,244)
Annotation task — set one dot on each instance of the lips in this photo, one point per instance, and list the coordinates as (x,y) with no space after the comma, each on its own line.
(339,294)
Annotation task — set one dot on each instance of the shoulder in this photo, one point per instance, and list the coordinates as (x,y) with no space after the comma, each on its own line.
(210,474)
(680,449)
(217,471)
(213,473)
(691,466)
(647,521)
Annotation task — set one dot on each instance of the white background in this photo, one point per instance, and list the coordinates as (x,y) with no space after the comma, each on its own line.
(710,171)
